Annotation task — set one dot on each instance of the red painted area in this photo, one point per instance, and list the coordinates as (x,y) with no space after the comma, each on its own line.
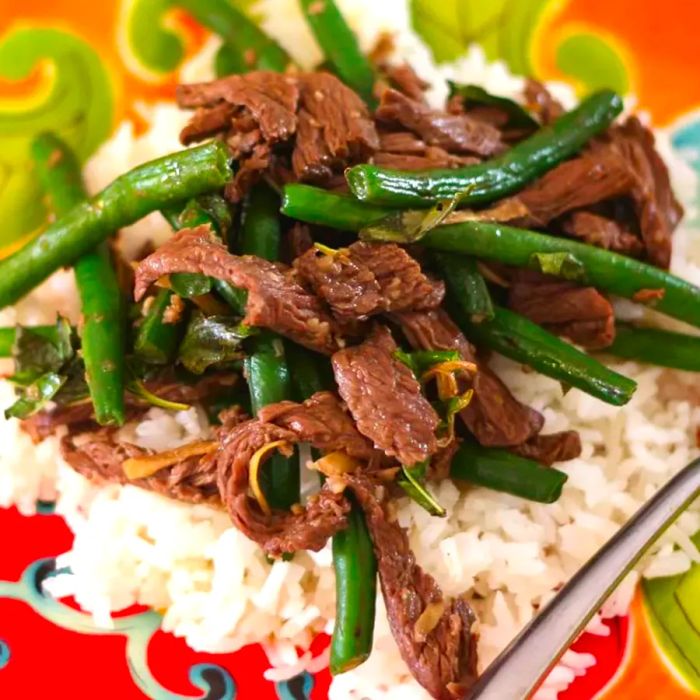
(608,651)
(48,661)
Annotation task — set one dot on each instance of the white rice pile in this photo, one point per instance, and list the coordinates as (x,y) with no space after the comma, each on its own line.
(215,587)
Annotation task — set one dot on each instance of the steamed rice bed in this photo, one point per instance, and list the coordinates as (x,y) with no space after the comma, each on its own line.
(218,590)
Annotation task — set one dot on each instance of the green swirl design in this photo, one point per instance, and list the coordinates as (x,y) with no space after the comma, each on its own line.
(78,106)
(673,609)
(214,682)
(151,43)
(592,61)
(505,29)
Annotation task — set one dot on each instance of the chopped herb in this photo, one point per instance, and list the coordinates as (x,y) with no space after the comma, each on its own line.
(212,340)
(564,265)
(36,395)
(411,225)
(36,354)
(473,95)
(411,482)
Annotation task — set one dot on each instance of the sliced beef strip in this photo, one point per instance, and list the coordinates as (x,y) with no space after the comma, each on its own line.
(206,122)
(385,399)
(401,280)
(252,169)
(323,422)
(406,80)
(442,461)
(281,531)
(494,416)
(270,98)
(403,142)
(603,232)
(298,240)
(98,455)
(351,290)
(456,133)
(275,299)
(442,659)
(489,114)
(369,278)
(582,314)
(45,423)
(335,128)
(433,157)
(548,449)
(404,150)
(576,183)
(657,208)
(540,101)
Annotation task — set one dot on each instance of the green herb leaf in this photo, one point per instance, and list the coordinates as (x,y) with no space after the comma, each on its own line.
(35,354)
(212,340)
(36,395)
(410,481)
(518,116)
(411,225)
(75,388)
(564,265)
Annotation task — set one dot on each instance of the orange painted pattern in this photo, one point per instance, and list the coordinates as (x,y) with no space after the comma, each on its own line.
(644,674)
(659,40)
(97,22)
(665,80)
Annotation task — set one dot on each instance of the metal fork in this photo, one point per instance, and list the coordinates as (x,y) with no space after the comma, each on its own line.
(523,665)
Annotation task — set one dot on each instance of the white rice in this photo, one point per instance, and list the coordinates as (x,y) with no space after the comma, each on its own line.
(214,586)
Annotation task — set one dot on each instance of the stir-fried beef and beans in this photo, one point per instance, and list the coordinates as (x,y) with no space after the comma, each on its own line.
(346,258)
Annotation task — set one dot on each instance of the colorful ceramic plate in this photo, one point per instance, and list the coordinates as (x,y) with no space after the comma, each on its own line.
(82,67)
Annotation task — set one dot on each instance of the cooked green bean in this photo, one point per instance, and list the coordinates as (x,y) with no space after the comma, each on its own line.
(309,371)
(495,178)
(156,341)
(8,334)
(502,470)
(467,284)
(609,272)
(240,33)
(522,340)
(102,330)
(355,591)
(266,367)
(657,347)
(353,556)
(339,45)
(317,206)
(268,381)
(215,211)
(102,334)
(236,298)
(130,197)
(190,284)
(260,226)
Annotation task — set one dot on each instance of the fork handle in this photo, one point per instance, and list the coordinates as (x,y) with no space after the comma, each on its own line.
(518,671)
